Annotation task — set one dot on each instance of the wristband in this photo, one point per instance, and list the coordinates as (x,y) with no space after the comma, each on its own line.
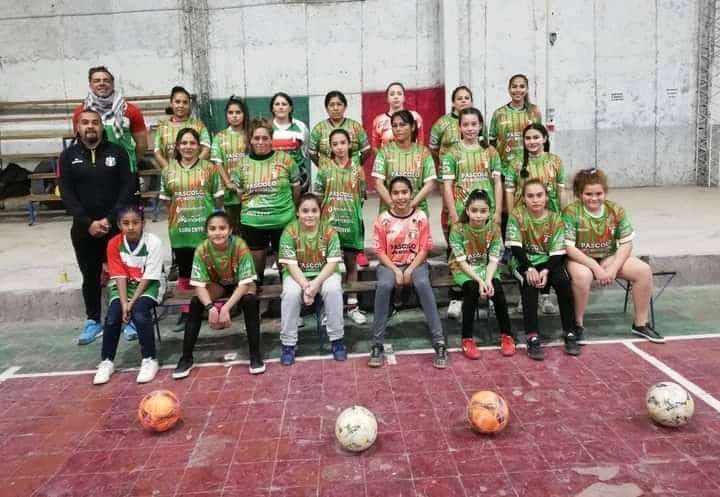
(209,306)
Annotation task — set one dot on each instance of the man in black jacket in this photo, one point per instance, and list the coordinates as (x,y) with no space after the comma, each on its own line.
(95,180)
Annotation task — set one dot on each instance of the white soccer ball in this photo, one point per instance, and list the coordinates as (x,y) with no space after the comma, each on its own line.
(669,404)
(356,428)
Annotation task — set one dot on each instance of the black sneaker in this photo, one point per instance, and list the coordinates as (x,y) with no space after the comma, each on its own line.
(534,349)
(580,334)
(182,370)
(441,357)
(180,325)
(646,331)
(571,345)
(377,356)
(257,366)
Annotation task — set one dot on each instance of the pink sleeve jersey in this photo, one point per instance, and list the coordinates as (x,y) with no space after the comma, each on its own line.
(401,238)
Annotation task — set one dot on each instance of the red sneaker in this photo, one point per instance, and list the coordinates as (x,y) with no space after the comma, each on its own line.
(507,345)
(362,259)
(470,349)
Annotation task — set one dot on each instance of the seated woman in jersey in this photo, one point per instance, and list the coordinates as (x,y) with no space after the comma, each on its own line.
(222,267)
(309,253)
(536,236)
(402,243)
(135,268)
(598,238)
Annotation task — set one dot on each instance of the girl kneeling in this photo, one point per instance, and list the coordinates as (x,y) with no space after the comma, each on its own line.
(310,253)
(402,242)
(135,268)
(536,237)
(475,250)
(222,267)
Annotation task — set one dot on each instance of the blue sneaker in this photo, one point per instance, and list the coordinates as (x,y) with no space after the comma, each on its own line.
(338,350)
(130,332)
(90,332)
(287,356)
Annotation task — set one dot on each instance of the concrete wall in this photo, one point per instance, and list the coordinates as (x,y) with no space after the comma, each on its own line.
(619,81)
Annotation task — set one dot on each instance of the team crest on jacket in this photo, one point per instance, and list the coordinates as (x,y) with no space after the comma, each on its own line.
(110,161)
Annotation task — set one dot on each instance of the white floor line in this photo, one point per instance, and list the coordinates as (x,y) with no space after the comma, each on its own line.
(677,377)
(557,343)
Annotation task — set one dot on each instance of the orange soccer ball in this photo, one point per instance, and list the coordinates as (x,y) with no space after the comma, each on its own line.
(159,410)
(488,412)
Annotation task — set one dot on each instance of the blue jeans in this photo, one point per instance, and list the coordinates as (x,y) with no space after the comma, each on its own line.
(142,317)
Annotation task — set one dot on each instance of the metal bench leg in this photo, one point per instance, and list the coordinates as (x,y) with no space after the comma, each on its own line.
(627,296)
(321,330)
(652,312)
(155,208)
(31,213)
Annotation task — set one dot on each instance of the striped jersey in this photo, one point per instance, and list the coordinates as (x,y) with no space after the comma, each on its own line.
(266,190)
(191,192)
(415,163)
(548,168)
(228,147)
(381,133)
(232,266)
(166,135)
(597,236)
(320,138)
(293,139)
(477,246)
(541,237)
(402,237)
(342,189)
(507,125)
(309,252)
(144,262)
(445,133)
(471,168)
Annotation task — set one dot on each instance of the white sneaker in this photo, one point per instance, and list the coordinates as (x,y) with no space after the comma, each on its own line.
(357,316)
(274,266)
(104,371)
(546,305)
(148,369)
(454,310)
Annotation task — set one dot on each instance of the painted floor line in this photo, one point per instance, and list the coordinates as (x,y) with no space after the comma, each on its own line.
(677,377)
(328,356)
(9,373)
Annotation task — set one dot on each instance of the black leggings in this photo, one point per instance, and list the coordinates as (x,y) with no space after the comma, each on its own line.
(559,280)
(471,294)
(90,253)
(250,309)
(184,260)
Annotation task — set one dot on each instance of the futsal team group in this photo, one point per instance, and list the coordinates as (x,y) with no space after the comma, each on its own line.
(246,192)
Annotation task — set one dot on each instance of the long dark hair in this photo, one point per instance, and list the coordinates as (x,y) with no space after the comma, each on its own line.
(289,101)
(175,90)
(235,100)
(339,131)
(527,85)
(407,118)
(472,111)
(178,138)
(526,155)
(474,196)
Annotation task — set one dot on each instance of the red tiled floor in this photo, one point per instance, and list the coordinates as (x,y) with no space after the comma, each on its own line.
(439,487)
(296,473)
(387,467)
(207,478)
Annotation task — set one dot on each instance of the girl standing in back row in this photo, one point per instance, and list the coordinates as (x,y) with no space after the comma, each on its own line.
(382,131)
(180,111)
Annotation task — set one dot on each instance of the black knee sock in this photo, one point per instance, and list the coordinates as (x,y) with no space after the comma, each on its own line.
(251,310)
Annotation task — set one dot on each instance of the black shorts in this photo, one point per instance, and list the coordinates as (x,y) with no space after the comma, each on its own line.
(352,250)
(259,238)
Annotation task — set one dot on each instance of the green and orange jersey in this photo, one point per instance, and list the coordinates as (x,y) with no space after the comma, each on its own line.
(228,148)
(547,167)
(445,133)
(381,134)
(540,237)
(477,246)
(309,252)
(597,236)
(232,266)
(471,168)
(506,127)
(191,192)
(415,163)
(320,139)
(342,189)
(266,186)
(166,135)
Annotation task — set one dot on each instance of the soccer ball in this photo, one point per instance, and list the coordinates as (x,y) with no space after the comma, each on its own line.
(159,410)
(488,412)
(356,428)
(669,404)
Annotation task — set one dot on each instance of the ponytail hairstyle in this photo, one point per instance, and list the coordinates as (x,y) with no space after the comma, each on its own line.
(475,195)
(287,98)
(406,117)
(235,100)
(338,131)
(527,85)
(175,90)
(472,111)
(178,139)
(401,179)
(590,176)
(130,208)
(533,181)
(526,155)
(459,89)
